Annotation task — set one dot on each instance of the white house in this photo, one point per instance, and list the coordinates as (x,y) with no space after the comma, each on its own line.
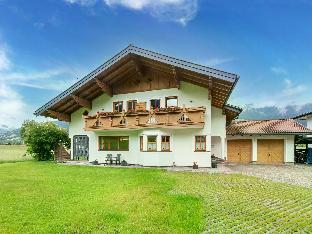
(152,110)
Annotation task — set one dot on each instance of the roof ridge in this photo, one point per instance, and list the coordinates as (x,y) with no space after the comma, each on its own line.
(182,60)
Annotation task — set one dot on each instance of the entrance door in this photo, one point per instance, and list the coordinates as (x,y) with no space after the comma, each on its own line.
(270,151)
(81,147)
(239,151)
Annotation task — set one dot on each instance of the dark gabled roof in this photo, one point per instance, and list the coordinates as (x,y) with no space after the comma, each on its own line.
(223,82)
(275,126)
(303,116)
(232,112)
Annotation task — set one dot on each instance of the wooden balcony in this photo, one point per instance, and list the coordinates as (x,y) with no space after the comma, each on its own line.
(162,118)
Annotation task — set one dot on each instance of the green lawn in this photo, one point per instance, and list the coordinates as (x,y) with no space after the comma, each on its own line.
(13,153)
(43,197)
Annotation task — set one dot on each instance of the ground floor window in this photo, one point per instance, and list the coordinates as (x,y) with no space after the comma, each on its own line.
(200,143)
(141,143)
(151,143)
(165,143)
(114,143)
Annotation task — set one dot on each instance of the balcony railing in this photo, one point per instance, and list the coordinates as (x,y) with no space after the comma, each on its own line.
(162,118)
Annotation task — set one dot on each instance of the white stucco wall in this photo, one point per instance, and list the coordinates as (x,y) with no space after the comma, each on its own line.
(289,141)
(309,122)
(218,133)
(182,140)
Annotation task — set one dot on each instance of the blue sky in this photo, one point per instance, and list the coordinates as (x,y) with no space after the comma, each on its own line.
(46,45)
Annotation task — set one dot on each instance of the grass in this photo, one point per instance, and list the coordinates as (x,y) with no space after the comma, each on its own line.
(43,197)
(9,153)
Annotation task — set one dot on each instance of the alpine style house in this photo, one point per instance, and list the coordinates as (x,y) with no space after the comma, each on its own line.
(154,110)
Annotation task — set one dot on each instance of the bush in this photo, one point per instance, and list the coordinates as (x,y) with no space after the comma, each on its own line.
(42,139)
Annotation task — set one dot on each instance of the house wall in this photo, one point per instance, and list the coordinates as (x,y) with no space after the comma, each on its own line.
(182,140)
(309,122)
(289,143)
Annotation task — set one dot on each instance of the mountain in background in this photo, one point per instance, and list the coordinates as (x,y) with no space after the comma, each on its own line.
(273,112)
(13,136)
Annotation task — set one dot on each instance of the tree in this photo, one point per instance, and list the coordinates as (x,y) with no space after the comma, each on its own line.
(42,139)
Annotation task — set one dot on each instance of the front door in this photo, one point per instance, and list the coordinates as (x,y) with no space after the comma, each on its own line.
(81,147)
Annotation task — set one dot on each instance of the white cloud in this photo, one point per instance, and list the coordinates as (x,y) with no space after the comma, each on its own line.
(13,109)
(4,60)
(50,79)
(39,25)
(82,2)
(286,92)
(216,61)
(291,90)
(279,71)
(180,11)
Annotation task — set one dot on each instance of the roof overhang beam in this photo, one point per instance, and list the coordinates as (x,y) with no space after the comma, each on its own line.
(60,116)
(105,87)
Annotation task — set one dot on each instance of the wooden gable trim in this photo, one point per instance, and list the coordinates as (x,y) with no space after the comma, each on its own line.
(176,77)
(82,102)
(60,116)
(138,67)
(105,87)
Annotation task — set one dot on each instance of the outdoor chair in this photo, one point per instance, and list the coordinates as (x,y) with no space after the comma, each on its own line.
(109,159)
(117,160)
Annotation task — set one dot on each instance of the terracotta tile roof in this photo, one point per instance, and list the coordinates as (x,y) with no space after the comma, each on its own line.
(275,126)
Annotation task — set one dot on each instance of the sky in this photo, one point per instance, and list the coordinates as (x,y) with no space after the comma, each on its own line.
(47,45)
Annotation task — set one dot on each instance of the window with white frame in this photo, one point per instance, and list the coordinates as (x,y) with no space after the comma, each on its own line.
(117,106)
(165,143)
(151,143)
(200,143)
(172,101)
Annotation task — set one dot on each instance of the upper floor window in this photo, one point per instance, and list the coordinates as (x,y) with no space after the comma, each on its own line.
(155,104)
(114,143)
(151,143)
(117,106)
(165,143)
(200,143)
(131,105)
(172,101)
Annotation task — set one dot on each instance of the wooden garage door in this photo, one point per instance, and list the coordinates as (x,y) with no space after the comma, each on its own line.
(239,151)
(270,151)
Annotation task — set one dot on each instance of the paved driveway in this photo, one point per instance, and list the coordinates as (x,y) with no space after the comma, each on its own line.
(292,174)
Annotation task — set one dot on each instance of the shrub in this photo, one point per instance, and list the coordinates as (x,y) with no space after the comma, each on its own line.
(42,139)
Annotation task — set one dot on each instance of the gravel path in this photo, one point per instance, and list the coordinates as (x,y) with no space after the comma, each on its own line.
(292,174)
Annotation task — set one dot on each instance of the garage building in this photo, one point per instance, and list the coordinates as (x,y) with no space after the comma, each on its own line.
(263,141)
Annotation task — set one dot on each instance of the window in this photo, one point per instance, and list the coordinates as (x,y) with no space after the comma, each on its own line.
(141,143)
(155,104)
(132,105)
(114,143)
(151,143)
(117,106)
(165,143)
(200,143)
(172,101)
